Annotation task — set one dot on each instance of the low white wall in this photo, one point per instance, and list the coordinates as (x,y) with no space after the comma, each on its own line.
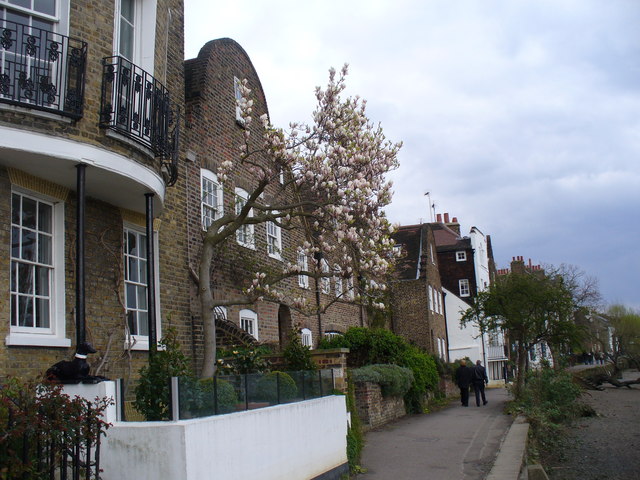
(295,441)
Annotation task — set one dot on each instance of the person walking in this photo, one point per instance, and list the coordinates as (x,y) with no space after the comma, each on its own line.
(478,381)
(464,375)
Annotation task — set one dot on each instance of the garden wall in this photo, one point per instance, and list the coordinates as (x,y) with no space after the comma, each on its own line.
(302,440)
(375,410)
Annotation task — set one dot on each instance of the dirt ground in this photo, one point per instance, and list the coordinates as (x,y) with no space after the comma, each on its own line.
(606,446)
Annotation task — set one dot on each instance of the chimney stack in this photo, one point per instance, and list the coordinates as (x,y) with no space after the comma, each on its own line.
(453,225)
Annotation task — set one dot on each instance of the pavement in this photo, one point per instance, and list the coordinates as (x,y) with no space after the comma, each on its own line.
(457,443)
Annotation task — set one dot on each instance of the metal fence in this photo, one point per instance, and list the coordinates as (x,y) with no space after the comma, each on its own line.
(41,69)
(194,398)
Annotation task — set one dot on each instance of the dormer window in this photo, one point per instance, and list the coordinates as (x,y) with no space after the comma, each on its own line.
(461,256)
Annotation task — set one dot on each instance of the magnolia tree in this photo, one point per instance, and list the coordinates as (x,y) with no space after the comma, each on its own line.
(330,175)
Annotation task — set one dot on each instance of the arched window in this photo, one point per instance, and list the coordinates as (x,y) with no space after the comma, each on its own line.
(306,337)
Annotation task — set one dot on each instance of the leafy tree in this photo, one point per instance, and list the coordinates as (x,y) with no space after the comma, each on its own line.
(331,179)
(626,335)
(532,307)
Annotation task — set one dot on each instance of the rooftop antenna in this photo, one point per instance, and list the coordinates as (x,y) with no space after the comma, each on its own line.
(428,195)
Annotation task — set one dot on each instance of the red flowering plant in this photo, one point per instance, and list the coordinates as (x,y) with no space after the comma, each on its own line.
(44,429)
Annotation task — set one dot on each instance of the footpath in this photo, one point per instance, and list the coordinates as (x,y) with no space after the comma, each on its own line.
(457,443)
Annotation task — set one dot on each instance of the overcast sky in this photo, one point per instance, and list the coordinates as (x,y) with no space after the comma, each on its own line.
(521,118)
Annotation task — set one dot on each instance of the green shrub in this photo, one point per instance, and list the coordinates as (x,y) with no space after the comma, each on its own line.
(355,438)
(393,380)
(153,392)
(267,387)
(243,360)
(197,397)
(549,401)
(425,377)
(297,356)
(378,346)
(368,346)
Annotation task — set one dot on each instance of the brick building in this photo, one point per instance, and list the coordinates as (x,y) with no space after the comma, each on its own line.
(418,312)
(91,95)
(214,133)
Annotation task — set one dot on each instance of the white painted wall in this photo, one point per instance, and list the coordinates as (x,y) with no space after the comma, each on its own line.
(463,341)
(295,441)
(480,258)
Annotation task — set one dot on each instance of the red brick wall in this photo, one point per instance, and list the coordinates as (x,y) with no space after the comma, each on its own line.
(375,410)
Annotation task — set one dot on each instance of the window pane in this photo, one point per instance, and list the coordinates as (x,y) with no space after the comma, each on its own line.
(44,249)
(143,326)
(133,324)
(28,245)
(15,209)
(44,217)
(14,310)
(29,207)
(133,269)
(142,240)
(25,312)
(21,3)
(131,244)
(127,9)
(45,6)
(142,298)
(143,271)
(42,281)
(42,312)
(14,272)
(25,278)
(131,296)
(126,40)
(15,242)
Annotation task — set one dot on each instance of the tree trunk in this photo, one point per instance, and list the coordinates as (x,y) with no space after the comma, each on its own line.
(207,312)
(522,369)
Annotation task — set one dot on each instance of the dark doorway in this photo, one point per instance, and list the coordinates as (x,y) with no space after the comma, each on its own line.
(284,325)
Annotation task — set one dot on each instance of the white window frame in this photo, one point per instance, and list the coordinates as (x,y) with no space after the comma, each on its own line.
(331,334)
(248,318)
(59,20)
(54,335)
(141,342)
(245,234)
(350,294)
(144,29)
(306,338)
(430,297)
(337,285)
(464,287)
(207,178)
(274,240)
(303,264)
(439,300)
(325,282)
(461,256)
(433,257)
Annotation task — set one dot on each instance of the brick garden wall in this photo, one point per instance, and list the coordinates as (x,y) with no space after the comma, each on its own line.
(375,410)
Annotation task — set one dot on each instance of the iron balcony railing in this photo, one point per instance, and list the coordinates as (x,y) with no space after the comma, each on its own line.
(41,69)
(139,107)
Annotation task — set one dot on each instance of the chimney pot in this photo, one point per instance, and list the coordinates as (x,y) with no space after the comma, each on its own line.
(439,217)
(446,218)
(455,220)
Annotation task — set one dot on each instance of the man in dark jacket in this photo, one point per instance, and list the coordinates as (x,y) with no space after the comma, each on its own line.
(479,380)
(464,375)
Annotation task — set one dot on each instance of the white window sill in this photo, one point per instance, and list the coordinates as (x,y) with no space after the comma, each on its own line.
(139,345)
(275,256)
(36,340)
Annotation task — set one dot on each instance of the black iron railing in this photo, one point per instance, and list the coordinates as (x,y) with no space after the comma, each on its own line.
(138,106)
(41,69)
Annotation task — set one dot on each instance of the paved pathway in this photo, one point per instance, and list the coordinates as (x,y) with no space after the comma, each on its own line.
(456,443)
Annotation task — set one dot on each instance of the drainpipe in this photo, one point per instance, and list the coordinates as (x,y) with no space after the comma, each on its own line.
(446,323)
(80,226)
(151,283)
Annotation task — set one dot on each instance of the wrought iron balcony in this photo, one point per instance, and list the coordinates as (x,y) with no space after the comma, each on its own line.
(42,70)
(138,106)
